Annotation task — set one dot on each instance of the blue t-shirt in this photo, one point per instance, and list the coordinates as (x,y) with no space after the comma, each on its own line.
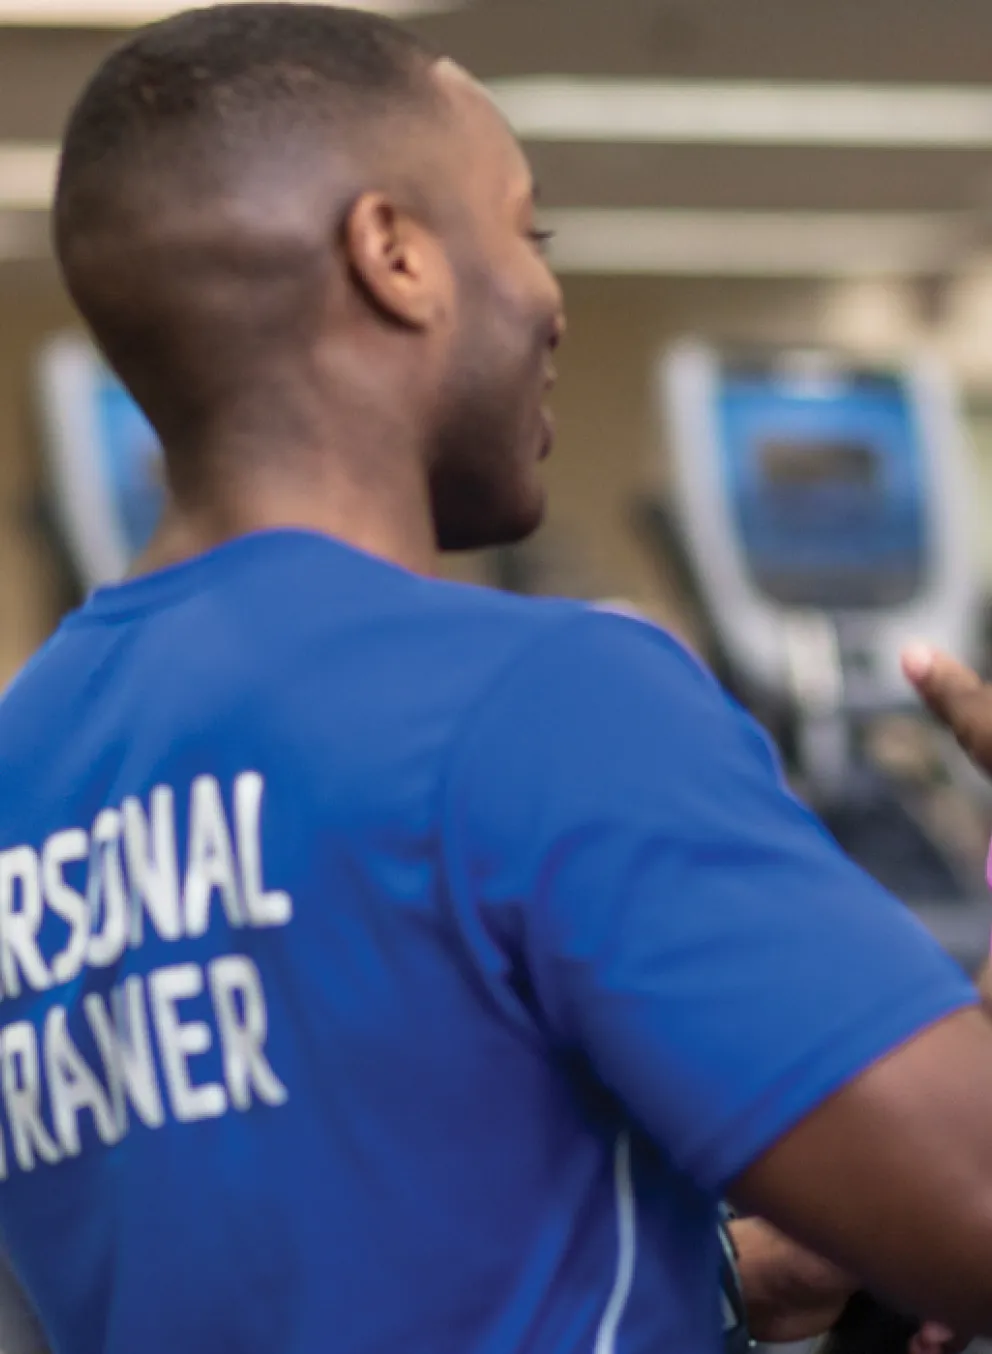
(396,967)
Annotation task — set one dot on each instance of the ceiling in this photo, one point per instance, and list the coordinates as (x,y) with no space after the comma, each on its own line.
(928,42)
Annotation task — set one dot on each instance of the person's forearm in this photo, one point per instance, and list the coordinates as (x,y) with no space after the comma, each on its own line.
(891,1177)
(789,1293)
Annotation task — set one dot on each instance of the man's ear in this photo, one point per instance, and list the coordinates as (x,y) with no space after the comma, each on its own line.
(398,262)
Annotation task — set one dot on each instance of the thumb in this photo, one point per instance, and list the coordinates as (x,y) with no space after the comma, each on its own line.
(935,1339)
(956,695)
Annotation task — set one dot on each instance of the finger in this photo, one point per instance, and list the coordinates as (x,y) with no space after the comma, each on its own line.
(934,1338)
(956,695)
(939,678)
(931,1340)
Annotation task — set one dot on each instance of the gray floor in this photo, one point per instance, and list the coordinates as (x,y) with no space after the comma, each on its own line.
(19,1331)
(809,1347)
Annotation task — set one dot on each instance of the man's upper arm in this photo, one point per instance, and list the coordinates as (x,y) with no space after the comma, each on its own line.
(616,824)
(892,1176)
(985,989)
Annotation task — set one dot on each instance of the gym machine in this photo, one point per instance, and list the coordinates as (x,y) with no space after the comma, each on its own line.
(821,510)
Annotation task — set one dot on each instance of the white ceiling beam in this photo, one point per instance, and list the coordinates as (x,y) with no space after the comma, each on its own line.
(27,175)
(742,113)
(758,244)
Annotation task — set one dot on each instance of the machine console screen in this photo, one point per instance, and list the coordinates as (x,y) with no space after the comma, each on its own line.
(826,485)
(799,465)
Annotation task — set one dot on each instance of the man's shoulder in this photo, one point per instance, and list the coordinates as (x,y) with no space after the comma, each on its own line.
(550,638)
(32,682)
(500,641)
(501,617)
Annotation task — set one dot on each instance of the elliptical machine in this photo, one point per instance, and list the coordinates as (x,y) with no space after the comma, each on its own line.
(820,510)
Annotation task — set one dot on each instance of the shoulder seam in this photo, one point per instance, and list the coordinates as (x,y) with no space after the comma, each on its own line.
(587,611)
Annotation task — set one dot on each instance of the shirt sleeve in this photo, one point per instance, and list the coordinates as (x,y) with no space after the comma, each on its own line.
(625,857)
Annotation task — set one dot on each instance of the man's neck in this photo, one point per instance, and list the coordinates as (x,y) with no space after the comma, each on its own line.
(396,524)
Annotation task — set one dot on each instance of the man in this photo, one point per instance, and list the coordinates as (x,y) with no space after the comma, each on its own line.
(390,965)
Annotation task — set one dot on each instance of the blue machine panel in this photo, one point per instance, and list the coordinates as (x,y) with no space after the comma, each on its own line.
(104,460)
(130,460)
(825,478)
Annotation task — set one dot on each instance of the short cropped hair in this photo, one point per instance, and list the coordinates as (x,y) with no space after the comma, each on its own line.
(189,118)
(210,79)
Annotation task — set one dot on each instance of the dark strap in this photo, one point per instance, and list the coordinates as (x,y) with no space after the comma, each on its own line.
(867,1327)
(736,1338)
